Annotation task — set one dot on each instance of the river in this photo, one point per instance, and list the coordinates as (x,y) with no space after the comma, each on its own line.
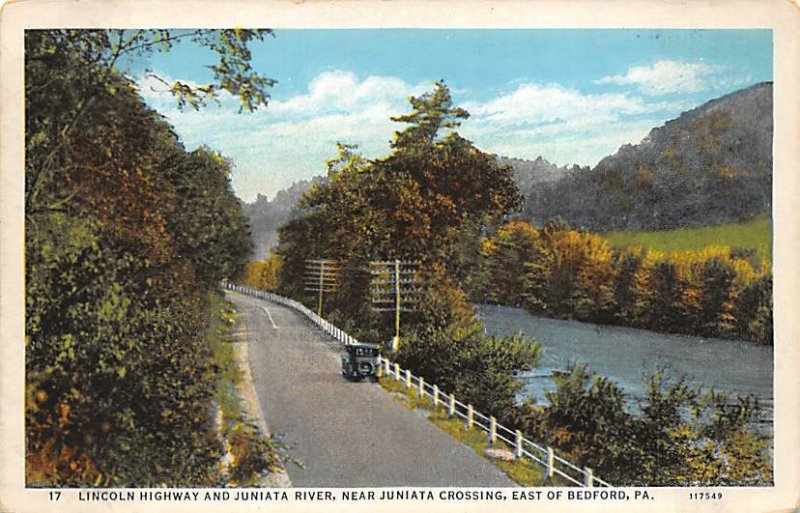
(625,355)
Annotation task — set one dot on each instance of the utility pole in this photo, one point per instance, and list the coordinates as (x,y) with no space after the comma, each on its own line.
(322,275)
(394,287)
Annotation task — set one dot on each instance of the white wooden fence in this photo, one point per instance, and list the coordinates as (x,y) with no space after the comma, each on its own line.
(552,464)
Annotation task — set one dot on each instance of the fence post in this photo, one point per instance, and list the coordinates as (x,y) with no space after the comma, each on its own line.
(470,416)
(435,396)
(397,372)
(588,477)
(452,405)
(408,378)
(519,444)
(421,387)
(492,431)
(548,471)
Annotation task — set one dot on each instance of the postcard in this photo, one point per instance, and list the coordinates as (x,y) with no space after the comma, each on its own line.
(399,255)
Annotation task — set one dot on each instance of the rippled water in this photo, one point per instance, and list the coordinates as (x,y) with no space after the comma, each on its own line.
(625,355)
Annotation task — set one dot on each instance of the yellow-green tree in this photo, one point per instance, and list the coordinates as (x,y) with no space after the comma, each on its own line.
(516,243)
(263,274)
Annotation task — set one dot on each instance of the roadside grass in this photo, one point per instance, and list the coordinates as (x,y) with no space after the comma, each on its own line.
(248,452)
(755,235)
(219,336)
(522,471)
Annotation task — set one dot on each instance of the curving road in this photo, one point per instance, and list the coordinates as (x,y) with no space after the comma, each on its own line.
(345,434)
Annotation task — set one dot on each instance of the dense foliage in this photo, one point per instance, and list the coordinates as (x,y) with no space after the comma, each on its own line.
(561,272)
(125,233)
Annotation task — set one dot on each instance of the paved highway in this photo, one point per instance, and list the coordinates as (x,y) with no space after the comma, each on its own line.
(345,434)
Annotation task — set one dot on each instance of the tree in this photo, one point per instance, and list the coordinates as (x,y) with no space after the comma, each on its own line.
(263,274)
(586,418)
(410,205)
(479,369)
(79,67)
(570,275)
(628,284)
(664,305)
(431,112)
(206,216)
(753,311)
(515,244)
(448,180)
(716,301)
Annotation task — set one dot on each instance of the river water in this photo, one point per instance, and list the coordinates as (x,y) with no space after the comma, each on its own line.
(625,355)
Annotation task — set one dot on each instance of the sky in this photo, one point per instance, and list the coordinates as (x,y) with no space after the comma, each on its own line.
(570,96)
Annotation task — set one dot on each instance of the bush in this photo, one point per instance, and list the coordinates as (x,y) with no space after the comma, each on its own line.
(479,369)
(679,436)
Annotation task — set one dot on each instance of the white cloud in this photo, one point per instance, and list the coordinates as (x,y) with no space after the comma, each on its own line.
(666,77)
(564,145)
(562,124)
(536,104)
(291,138)
(343,92)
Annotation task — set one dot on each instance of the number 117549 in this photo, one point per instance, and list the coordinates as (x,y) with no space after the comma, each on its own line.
(705,496)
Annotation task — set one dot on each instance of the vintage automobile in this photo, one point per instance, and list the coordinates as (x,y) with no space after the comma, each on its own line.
(360,361)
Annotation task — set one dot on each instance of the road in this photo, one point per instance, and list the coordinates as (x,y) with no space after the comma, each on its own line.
(345,434)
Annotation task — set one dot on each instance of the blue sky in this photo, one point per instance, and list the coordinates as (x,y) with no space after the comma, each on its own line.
(571,96)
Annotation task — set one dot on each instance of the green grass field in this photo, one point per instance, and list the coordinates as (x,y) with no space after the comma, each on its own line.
(755,235)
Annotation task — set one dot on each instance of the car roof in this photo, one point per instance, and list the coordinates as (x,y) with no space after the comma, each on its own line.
(363,344)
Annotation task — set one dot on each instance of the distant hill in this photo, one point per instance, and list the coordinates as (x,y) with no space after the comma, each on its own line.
(266,217)
(528,173)
(711,165)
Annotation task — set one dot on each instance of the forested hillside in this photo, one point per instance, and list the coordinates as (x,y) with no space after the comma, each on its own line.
(713,164)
